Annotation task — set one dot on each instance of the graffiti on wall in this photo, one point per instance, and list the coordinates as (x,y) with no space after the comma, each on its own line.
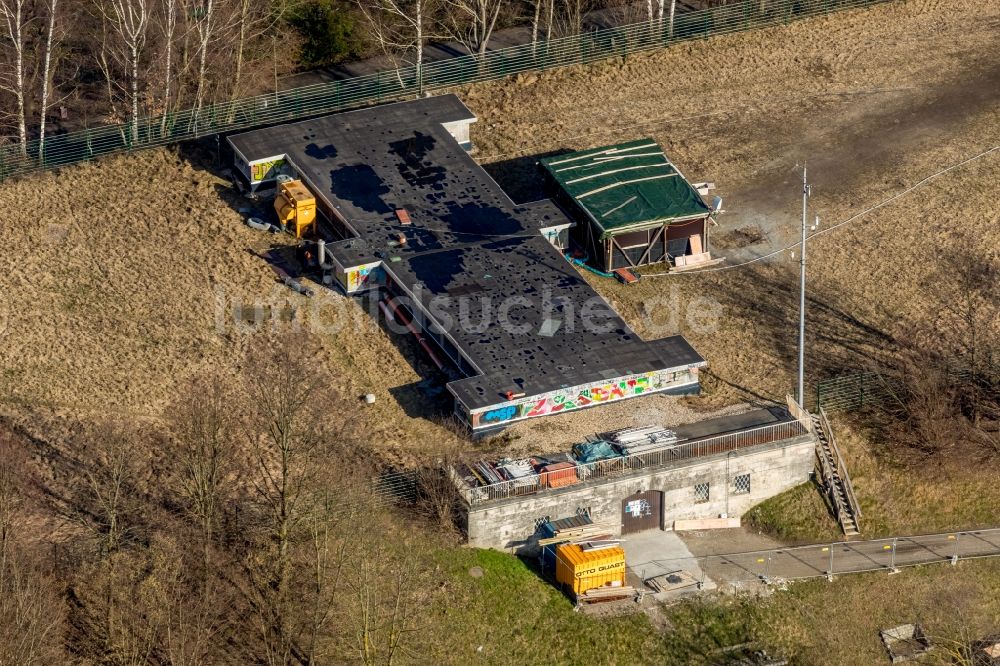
(359,276)
(499,414)
(577,398)
(595,394)
(268,170)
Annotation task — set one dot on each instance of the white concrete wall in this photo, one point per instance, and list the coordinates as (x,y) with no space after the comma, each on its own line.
(773,468)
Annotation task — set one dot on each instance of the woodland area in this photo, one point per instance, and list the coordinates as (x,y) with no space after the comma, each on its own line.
(66,64)
(221,535)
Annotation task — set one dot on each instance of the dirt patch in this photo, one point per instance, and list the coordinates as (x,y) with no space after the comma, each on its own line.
(721,542)
(742,237)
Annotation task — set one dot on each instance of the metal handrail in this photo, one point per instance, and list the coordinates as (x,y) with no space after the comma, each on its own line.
(841,467)
(586,472)
(401,83)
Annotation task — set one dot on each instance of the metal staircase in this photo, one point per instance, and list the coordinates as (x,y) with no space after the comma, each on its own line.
(835,479)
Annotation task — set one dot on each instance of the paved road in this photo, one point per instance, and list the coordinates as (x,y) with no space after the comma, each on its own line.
(851,557)
(820,559)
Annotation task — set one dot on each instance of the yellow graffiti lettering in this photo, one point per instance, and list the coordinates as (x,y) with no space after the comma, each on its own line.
(261,170)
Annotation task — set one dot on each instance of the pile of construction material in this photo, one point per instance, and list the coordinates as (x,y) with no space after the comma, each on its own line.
(633,441)
(599,456)
(523,476)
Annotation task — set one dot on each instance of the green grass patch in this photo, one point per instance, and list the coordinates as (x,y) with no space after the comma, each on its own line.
(799,515)
(510,615)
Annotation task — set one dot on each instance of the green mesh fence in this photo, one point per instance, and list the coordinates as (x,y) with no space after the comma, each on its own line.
(319,99)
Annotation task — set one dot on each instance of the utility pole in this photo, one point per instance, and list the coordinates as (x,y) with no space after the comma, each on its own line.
(806,191)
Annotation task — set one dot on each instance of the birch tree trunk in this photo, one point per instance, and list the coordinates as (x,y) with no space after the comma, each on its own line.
(419,29)
(534,24)
(204,27)
(241,45)
(13,13)
(130,20)
(170,27)
(673,9)
(46,74)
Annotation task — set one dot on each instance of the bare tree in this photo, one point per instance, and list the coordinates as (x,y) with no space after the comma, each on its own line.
(204,11)
(31,614)
(385,593)
(169,29)
(471,22)
(129,21)
(12,475)
(203,448)
(15,16)
(53,7)
(254,20)
(295,429)
(399,28)
(104,501)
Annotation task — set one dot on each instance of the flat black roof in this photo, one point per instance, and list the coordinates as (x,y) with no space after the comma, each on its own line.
(474,260)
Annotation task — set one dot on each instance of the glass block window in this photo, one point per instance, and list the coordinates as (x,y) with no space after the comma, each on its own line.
(701,493)
(741,484)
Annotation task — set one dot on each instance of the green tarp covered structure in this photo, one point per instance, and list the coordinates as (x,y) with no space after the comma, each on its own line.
(629,186)
(595,451)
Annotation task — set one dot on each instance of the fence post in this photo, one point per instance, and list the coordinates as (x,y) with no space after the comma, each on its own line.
(892,558)
(829,573)
(954,557)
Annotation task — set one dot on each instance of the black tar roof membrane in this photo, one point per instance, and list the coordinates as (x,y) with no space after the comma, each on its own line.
(475,260)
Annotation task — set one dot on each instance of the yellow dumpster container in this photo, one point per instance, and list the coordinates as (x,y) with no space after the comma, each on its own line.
(295,206)
(582,570)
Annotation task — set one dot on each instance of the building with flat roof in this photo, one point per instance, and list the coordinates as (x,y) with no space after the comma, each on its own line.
(478,279)
(635,206)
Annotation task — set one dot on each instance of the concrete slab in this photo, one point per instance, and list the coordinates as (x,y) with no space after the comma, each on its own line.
(657,553)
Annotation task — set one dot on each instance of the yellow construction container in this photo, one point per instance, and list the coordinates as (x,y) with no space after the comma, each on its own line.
(583,570)
(295,206)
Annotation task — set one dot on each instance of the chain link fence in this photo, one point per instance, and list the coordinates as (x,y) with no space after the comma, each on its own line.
(308,101)
(744,570)
(852,392)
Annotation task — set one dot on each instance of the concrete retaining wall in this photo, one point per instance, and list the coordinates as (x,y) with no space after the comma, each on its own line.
(773,468)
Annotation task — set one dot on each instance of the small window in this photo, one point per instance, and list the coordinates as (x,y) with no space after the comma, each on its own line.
(741,484)
(701,493)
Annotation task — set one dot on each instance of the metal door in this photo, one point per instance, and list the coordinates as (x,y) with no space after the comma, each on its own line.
(642,511)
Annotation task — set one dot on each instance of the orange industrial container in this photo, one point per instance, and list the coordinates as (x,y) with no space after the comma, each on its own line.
(558,475)
(295,206)
(582,570)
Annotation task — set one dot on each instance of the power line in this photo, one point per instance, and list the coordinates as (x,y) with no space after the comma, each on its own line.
(854,217)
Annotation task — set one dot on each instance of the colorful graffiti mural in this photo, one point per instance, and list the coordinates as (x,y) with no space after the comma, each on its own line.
(359,276)
(588,396)
(498,415)
(261,171)
(555,403)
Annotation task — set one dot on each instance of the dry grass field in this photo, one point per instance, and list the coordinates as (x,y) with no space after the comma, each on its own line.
(125,275)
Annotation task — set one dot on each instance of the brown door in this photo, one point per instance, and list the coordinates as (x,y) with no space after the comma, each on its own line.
(642,511)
